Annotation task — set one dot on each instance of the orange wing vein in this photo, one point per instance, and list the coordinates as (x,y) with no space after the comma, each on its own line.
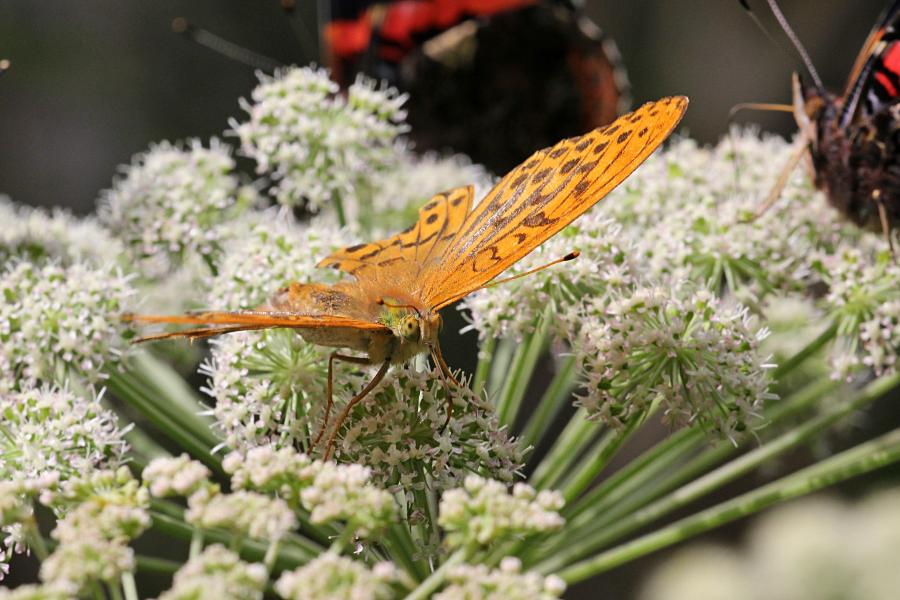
(541,196)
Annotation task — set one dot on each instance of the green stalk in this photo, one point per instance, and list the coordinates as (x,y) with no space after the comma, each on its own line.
(399,544)
(599,456)
(812,348)
(485,359)
(518,377)
(865,457)
(499,367)
(616,530)
(569,446)
(339,210)
(129,586)
(152,564)
(115,592)
(129,391)
(550,404)
(436,579)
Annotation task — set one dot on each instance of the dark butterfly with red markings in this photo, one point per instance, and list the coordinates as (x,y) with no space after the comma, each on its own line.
(511,75)
(853,139)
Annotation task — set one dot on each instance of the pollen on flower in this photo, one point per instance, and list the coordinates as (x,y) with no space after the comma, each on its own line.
(484,512)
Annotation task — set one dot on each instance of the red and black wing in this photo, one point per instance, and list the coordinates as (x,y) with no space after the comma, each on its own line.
(875,79)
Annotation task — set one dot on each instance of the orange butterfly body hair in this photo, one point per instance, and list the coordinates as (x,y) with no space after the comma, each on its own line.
(390,310)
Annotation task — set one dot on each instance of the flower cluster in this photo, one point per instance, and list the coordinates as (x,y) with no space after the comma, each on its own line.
(814,548)
(696,355)
(58,433)
(243,513)
(218,573)
(171,205)
(179,476)
(103,511)
(318,146)
(58,322)
(477,582)
(32,234)
(328,491)
(332,576)
(484,512)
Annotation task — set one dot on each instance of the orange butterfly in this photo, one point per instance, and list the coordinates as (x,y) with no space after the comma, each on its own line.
(390,311)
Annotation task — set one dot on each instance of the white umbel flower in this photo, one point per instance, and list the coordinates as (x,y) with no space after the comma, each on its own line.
(478,582)
(179,476)
(332,576)
(217,573)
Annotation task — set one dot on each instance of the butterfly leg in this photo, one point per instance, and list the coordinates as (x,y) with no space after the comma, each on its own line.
(446,375)
(780,183)
(353,402)
(356,360)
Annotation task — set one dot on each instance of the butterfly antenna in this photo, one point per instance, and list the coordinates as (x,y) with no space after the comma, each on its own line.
(570,256)
(789,32)
(223,47)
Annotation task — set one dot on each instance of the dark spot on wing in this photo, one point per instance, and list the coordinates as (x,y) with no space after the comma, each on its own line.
(559,152)
(541,175)
(623,136)
(582,185)
(568,166)
(587,167)
(431,219)
(519,180)
(538,220)
(430,206)
(457,201)
(600,147)
(642,132)
(611,130)
(355,248)
(583,144)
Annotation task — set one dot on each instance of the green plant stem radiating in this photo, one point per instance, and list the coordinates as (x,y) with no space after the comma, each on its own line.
(609,530)
(551,403)
(866,457)
(576,436)
(519,375)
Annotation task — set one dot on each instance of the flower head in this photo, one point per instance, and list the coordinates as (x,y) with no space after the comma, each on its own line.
(477,582)
(179,476)
(318,146)
(58,322)
(243,513)
(484,512)
(171,204)
(57,433)
(696,355)
(33,234)
(333,576)
(217,573)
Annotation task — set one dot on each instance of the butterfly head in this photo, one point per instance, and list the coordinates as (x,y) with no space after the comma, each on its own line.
(810,106)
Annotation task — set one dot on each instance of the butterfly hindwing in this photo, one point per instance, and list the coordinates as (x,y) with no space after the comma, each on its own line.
(439,220)
(542,195)
(874,81)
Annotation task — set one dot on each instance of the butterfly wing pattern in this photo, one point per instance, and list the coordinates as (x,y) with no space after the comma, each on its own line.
(538,198)
(874,81)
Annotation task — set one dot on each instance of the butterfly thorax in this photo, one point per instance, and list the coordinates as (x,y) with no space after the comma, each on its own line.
(857,164)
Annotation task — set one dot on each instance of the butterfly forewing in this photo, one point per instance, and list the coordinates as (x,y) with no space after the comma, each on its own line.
(875,78)
(542,195)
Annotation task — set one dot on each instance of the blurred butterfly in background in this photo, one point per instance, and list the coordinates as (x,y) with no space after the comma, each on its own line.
(853,139)
(390,310)
(510,75)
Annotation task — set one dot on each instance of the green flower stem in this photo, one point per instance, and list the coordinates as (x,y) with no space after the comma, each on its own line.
(616,530)
(500,362)
(35,540)
(865,457)
(568,447)
(434,581)
(400,546)
(129,586)
(599,456)
(115,592)
(340,542)
(174,395)
(295,550)
(151,564)
(551,403)
(809,350)
(519,375)
(147,402)
(339,210)
(486,357)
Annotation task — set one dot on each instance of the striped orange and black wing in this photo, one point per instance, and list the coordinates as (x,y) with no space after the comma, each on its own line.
(541,196)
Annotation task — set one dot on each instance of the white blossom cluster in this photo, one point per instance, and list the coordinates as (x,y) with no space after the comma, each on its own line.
(400,434)
(178,476)
(478,582)
(103,512)
(242,513)
(697,355)
(484,512)
(327,491)
(330,575)
(36,592)
(218,573)
(59,322)
(317,146)
(171,204)
(33,234)
(811,549)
